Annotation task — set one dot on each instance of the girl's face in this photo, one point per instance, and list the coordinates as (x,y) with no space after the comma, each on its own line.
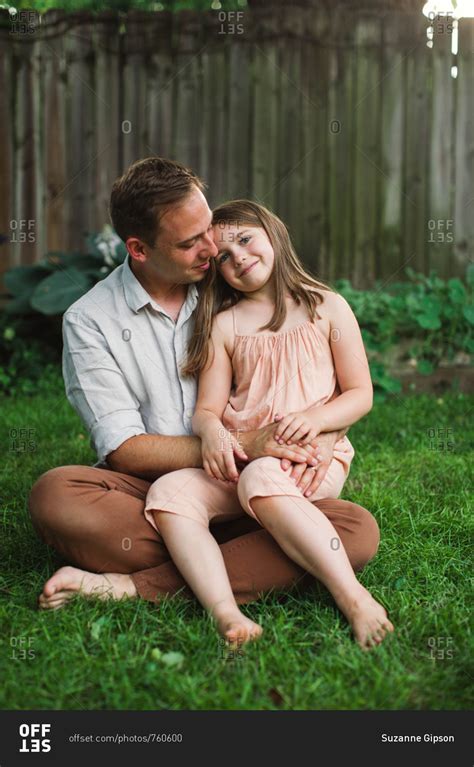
(245,256)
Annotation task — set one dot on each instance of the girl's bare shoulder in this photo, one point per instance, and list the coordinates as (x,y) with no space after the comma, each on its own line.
(331,305)
(224,323)
(327,310)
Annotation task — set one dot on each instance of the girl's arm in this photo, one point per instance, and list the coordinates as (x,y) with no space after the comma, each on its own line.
(215,381)
(352,370)
(353,376)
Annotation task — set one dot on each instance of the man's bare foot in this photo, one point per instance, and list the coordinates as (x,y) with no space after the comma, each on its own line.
(368,619)
(234,626)
(69,581)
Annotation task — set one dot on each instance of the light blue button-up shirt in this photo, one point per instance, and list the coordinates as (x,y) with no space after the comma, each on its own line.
(121,359)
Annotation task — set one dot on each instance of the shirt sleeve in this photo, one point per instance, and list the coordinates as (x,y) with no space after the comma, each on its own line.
(96,387)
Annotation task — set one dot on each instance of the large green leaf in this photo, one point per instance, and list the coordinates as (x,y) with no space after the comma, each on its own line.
(84,261)
(22,280)
(58,291)
(457,291)
(429,321)
(468,312)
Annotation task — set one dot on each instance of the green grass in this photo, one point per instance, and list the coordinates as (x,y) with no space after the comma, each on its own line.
(95,655)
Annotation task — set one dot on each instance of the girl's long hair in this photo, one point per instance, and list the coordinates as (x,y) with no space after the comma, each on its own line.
(289,277)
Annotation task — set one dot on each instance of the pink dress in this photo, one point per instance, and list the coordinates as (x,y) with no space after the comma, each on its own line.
(274,373)
(279,373)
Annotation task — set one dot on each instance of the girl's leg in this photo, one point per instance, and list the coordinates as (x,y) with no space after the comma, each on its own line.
(180,506)
(197,555)
(310,540)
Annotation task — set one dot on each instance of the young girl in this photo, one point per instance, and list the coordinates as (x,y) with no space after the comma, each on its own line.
(271,345)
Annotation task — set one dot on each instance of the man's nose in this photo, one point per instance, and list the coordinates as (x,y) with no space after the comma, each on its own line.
(210,246)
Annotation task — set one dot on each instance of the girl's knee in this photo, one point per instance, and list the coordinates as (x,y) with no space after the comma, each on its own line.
(253,478)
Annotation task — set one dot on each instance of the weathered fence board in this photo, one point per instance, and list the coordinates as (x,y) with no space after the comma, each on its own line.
(417,97)
(441,159)
(55,147)
(463,223)
(392,143)
(340,119)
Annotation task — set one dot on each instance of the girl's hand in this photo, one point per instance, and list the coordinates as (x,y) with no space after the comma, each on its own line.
(295,427)
(219,448)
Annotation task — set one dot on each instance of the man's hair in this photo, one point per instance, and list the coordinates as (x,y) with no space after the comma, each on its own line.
(143,193)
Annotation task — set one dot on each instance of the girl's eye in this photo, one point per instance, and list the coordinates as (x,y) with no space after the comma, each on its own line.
(223,258)
(245,240)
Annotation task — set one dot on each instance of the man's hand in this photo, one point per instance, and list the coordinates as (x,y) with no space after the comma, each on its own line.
(261,442)
(308,478)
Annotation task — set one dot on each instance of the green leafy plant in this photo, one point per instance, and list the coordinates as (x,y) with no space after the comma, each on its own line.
(59,279)
(425,320)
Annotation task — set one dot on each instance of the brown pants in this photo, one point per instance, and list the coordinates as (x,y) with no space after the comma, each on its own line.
(94,519)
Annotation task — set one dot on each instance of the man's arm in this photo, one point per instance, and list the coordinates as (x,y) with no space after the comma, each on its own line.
(150,455)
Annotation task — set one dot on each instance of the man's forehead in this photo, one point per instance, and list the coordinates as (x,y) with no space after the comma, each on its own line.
(185,221)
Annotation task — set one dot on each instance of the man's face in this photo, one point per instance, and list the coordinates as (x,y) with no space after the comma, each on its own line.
(184,245)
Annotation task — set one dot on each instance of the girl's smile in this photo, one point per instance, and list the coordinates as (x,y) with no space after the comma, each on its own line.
(247,270)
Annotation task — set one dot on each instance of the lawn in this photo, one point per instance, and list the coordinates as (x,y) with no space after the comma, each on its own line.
(412,470)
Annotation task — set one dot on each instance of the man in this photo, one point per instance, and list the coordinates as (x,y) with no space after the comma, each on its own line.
(124,342)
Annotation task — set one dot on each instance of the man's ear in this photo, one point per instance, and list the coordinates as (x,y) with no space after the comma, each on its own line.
(136,249)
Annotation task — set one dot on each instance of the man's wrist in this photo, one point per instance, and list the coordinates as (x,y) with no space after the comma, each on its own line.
(328,437)
(246,439)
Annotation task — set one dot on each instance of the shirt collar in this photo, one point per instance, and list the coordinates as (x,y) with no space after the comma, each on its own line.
(137,297)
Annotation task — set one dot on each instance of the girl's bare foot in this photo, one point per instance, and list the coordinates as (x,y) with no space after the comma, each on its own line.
(368,619)
(235,627)
(69,581)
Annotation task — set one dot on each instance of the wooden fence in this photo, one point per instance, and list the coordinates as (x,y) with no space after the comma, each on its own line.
(338,116)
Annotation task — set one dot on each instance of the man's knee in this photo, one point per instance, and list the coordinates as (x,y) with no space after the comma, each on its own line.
(47,496)
(368,534)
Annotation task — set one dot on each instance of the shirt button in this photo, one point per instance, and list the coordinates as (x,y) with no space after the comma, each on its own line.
(189,413)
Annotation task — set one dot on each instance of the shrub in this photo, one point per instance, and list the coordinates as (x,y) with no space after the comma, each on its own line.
(431,318)
(54,283)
